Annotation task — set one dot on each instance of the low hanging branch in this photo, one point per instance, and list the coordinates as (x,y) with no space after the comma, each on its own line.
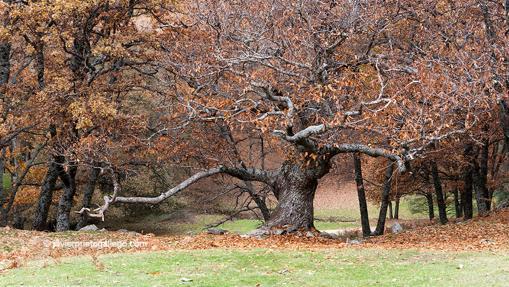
(248,174)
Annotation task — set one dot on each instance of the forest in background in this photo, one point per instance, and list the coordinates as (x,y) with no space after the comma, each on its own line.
(129,103)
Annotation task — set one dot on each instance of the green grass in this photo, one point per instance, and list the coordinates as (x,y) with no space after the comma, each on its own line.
(326,219)
(341,267)
(241,226)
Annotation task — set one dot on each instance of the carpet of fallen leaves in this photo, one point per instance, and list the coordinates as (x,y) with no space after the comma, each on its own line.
(19,246)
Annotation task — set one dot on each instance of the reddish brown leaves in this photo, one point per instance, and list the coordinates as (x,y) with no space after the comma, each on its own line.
(489,233)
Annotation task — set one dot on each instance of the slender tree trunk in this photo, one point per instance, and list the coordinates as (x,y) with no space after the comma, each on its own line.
(361,194)
(46,194)
(480,178)
(295,188)
(391,216)
(5,62)
(3,220)
(504,119)
(5,69)
(87,195)
(442,208)
(396,209)
(19,220)
(478,186)
(431,210)
(462,202)
(485,153)
(380,227)
(468,210)
(457,204)
(65,202)
(39,59)
(260,202)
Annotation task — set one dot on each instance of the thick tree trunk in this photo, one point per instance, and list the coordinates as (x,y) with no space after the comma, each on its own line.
(396,209)
(431,210)
(380,227)
(295,188)
(65,202)
(361,194)
(442,208)
(294,210)
(87,195)
(46,194)
(457,204)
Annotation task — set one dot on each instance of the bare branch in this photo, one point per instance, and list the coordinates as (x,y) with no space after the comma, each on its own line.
(374,152)
(248,174)
(301,135)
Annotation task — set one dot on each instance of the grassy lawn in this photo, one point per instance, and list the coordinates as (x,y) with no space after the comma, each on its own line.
(353,214)
(342,267)
(240,226)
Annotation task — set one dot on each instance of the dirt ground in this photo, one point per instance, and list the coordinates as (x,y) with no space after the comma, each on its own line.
(332,195)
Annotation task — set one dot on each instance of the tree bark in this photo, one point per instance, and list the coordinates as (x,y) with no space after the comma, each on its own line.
(396,209)
(431,210)
(19,220)
(457,204)
(65,202)
(468,209)
(389,207)
(87,195)
(361,194)
(3,220)
(480,177)
(5,63)
(46,194)
(442,208)
(504,119)
(380,227)
(295,188)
